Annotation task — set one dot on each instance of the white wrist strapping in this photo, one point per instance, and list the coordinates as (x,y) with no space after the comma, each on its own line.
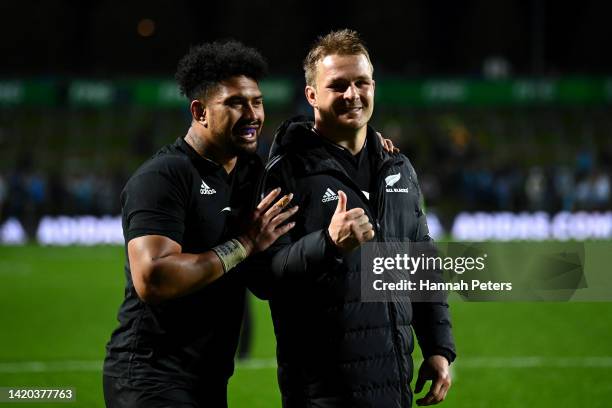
(231,253)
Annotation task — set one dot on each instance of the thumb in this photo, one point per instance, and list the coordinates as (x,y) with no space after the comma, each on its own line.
(341,207)
(420,382)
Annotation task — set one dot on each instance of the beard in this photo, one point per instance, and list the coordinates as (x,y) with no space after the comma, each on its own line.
(239,147)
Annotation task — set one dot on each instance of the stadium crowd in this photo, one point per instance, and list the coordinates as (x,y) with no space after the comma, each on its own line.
(463,165)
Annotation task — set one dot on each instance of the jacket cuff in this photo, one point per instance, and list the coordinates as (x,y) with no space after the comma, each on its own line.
(444,352)
(331,250)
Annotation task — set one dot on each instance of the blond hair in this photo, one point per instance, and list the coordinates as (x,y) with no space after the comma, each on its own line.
(341,42)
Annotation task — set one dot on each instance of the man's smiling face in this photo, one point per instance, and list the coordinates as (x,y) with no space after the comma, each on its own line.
(235,114)
(343,94)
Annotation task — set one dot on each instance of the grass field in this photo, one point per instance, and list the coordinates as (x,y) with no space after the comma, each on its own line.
(58,306)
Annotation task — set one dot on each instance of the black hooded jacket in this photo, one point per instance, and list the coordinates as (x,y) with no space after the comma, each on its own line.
(334,350)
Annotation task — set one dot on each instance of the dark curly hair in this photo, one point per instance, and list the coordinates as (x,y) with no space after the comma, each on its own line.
(206,65)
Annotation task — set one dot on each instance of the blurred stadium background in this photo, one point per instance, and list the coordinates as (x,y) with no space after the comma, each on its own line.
(505,109)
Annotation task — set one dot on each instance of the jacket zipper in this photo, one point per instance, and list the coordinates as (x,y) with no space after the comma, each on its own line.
(391,309)
(380,195)
(378,212)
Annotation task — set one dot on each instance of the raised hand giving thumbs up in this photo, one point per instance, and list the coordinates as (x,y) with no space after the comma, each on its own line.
(349,229)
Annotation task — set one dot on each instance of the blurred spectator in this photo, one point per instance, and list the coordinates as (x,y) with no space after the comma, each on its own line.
(602,190)
(593,191)
(36,189)
(17,196)
(106,196)
(81,190)
(507,184)
(3,196)
(535,189)
(564,186)
(584,162)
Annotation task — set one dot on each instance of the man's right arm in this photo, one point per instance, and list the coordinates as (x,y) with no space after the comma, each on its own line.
(312,255)
(161,271)
(346,231)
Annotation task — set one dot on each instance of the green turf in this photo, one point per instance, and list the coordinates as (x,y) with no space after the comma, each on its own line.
(59,304)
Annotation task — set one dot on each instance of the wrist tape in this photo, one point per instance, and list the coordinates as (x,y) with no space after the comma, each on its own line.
(231,253)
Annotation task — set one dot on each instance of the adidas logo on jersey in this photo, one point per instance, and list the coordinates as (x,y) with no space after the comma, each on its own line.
(329,196)
(204,189)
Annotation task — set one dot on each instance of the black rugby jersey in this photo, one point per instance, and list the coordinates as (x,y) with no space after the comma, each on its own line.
(357,166)
(193,201)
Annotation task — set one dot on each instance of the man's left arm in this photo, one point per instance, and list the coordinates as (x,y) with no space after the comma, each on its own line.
(432,325)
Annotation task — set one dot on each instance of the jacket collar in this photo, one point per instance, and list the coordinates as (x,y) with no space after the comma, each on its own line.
(297,138)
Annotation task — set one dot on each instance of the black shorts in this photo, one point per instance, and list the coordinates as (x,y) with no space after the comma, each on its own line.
(134,393)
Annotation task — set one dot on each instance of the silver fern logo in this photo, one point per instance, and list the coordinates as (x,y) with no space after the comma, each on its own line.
(391,181)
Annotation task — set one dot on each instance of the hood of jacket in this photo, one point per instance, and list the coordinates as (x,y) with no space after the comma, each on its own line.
(297,135)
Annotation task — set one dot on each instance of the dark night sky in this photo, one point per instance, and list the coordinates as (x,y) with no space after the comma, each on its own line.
(412,38)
